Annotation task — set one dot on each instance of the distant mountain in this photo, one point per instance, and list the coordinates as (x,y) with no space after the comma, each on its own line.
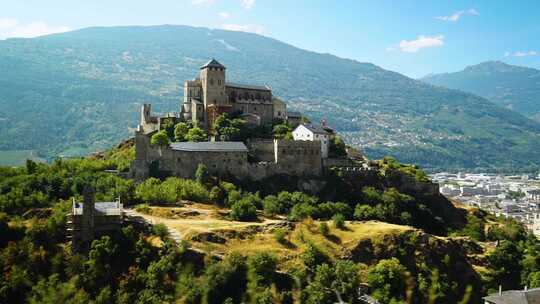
(80,91)
(514,87)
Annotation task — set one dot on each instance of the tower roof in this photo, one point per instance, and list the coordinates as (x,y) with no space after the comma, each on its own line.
(213,64)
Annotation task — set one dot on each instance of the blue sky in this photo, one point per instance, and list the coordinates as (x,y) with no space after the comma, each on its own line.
(411,37)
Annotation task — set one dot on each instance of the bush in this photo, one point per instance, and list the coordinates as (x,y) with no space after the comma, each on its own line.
(161,231)
(339,221)
(302,211)
(243,210)
(329,209)
(201,175)
(364,213)
(143,208)
(387,279)
(324,229)
(160,139)
(271,206)
(313,256)
(280,236)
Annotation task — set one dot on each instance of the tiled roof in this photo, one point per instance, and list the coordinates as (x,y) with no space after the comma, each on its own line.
(213,64)
(247,86)
(317,129)
(210,146)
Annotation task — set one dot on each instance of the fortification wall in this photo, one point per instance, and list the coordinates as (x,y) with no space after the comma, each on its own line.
(299,158)
(262,150)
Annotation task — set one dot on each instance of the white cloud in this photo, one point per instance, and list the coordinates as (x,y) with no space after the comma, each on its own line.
(252,28)
(202,2)
(421,42)
(457,15)
(224,15)
(10,27)
(520,54)
(247,4)
(8,23)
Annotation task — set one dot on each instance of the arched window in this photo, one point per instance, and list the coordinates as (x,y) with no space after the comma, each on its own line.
(211,81)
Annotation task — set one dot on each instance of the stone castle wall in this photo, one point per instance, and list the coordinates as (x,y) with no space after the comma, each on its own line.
(295,158)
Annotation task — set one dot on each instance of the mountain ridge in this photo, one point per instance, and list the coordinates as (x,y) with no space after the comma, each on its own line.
(511,86)
(93,81)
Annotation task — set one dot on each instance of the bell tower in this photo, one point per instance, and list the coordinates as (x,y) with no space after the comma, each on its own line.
(215,99)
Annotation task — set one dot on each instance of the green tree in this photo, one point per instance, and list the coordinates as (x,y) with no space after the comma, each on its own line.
(225,280)
(324,229)
(160,138)
(339,221)
(387,280)
(201,175)
(243,210)
(281,130)
(181,131)
(196,134)
(504,265)
(337,147)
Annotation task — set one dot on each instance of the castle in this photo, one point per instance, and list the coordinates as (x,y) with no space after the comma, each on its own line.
(207,97)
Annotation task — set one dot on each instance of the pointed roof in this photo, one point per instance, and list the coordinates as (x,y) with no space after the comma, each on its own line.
(213,64)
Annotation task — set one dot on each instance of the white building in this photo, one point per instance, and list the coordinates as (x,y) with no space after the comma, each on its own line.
(311,132)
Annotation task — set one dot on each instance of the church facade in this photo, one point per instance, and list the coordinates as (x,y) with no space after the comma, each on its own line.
(209,95)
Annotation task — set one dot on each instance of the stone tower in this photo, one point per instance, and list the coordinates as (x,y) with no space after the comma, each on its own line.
(87,226)
(215,99)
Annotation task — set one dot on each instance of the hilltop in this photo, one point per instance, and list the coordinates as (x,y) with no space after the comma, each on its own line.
(80,92)
(214,241)
(513,87)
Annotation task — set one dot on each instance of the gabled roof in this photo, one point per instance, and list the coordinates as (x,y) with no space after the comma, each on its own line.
(210,146)
(316,129)
(213,64)
(247,86)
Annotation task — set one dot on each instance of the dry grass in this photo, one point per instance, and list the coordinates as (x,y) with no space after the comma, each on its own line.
(211,219)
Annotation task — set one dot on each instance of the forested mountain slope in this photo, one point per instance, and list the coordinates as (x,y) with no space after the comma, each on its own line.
(511,86)
(80,91)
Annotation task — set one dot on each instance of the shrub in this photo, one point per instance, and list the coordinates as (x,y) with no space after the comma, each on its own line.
(271,206)
(329,209)
(324,229)
(261,269)
(387,279)
(364,213)
(201,175)
(143,208)
(160,139)
(161,231)
(180,131)
(302,211)
(280,236)
(243,210)
(313,256)
(196,134)
(339,221)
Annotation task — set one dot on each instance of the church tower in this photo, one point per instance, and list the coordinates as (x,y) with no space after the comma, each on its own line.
(215,99)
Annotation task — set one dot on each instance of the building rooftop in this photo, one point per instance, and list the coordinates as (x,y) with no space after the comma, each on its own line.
(106,208)
(515,297)
(247,86)
(317,129)
(294,114)
(213,64)
(210,146)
